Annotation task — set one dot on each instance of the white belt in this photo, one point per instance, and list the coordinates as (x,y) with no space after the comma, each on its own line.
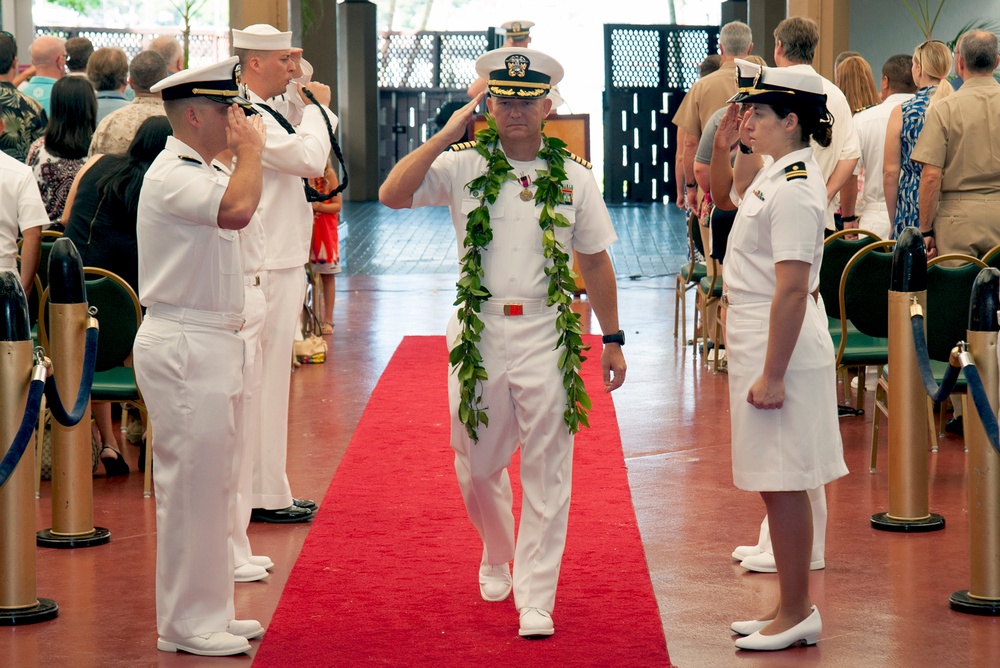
(227,321)
(251,281)
(518,307)
(737,299)
(8,264)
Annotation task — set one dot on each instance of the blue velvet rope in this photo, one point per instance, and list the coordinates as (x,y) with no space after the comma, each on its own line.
(982,402)
(59,413)
(937,394)
(23,435)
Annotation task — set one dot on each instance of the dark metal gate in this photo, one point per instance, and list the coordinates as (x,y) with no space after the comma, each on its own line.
(418,73)
(648,68)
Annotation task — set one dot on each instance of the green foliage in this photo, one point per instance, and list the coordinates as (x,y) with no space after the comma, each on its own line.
(79,6)
(465,357)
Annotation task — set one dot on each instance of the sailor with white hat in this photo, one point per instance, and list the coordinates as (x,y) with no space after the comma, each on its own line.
(188,355)
(298,147)
(524,391)
(517,32)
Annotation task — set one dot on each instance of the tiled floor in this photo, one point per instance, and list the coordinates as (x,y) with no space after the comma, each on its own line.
(884,597)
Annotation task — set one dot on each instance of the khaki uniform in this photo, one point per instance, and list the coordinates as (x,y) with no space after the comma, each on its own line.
(707,95)
(959,137)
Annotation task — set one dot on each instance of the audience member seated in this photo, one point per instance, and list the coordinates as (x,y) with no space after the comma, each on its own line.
(116,131)
(48,58)
(78,53)
(171,52)
(108,71)
(100,218)
(58,155)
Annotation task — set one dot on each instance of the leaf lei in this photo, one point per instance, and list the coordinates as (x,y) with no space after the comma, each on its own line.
(465,357)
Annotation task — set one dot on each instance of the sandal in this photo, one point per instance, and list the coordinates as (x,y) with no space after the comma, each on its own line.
(326,328)
(113,465)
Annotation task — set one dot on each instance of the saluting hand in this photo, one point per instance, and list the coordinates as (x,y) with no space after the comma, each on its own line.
(457,126)
(729,128)
(245,134)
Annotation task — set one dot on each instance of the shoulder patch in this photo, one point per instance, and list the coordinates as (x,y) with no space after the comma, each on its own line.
(575,158)
(795,171)
(462,146)
(188,158)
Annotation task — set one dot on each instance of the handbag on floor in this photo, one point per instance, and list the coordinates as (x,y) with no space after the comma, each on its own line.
(312,348)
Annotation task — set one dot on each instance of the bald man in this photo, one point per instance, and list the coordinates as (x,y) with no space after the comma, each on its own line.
(48,57)
(170,49)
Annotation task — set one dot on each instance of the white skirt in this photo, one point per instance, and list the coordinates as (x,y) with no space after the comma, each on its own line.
(798,446)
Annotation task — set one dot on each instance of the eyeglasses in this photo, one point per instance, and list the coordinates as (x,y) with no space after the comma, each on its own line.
(920,50)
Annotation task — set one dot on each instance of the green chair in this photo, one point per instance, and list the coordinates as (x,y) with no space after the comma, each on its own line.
(837,252)
(688,277)
(119,316)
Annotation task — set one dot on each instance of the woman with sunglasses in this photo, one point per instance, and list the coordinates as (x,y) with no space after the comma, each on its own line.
(900,175)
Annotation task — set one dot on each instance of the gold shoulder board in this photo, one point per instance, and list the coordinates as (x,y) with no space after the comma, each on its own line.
(575,158)
(188,158)
(795,171)
(462,146)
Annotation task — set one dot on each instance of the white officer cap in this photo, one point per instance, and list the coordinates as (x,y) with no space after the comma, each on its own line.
(772,84)
(216,82)
(519,73)
(517,29)
(261,37)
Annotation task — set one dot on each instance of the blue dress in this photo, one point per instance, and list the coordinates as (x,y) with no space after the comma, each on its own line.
(907,211)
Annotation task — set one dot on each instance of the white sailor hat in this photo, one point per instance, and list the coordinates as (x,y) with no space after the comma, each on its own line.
(517,29)
(261,37)
(755,83)
(218,82)
(519,73)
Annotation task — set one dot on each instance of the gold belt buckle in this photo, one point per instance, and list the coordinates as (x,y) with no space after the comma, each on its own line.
(725,299)
(513,309)
(256,281)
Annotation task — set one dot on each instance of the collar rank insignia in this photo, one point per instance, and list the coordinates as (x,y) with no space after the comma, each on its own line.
(188,158)
(517,65)
(795,171)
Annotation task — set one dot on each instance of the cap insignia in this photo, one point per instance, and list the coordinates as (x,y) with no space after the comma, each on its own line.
(517,65)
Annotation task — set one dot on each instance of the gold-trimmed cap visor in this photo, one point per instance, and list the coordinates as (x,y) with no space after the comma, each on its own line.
(775,84)
(216,82)
(519,73)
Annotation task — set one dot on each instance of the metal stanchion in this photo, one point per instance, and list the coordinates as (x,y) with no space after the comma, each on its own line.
(18,601)
(908,430)
(72,457)
(983,461)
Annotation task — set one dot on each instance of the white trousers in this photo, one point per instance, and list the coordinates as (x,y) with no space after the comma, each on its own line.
(875,218)
(526,401)
(284,290)
(191,377)
(817,499)
(254,312)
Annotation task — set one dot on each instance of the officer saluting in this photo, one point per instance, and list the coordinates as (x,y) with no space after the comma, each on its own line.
(188,352)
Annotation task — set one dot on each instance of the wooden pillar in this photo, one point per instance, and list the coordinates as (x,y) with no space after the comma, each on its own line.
(319,42)
(834,19)
(358,86)
(763,17)
(243,13)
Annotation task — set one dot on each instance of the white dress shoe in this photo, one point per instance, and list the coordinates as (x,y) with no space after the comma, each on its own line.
(764,563)
(208,644)
(247,628)
(752,626)
(535,623)
(262,561)
(249,573)
(806,632)
(744,551)
(494,582)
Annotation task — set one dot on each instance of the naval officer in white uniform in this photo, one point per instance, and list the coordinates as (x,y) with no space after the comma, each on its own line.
(524,393)
(298,147)
(782,386)
(189,357)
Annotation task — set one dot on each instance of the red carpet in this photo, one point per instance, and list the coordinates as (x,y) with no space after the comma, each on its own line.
(388,574)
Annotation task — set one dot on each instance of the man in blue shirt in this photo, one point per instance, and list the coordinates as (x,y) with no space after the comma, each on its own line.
(48,57)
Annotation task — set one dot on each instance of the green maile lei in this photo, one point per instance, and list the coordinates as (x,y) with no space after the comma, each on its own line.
(465,357)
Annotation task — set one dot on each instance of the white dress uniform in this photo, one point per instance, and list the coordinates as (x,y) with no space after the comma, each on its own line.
(781,218)
(22,208)
(870,125)
(524,393)
(189,365)
(287,218)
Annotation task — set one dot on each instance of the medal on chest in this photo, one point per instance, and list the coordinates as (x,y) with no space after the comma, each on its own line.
(526,194)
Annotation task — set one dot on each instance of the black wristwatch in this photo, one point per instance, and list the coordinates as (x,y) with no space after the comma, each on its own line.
(618,337)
